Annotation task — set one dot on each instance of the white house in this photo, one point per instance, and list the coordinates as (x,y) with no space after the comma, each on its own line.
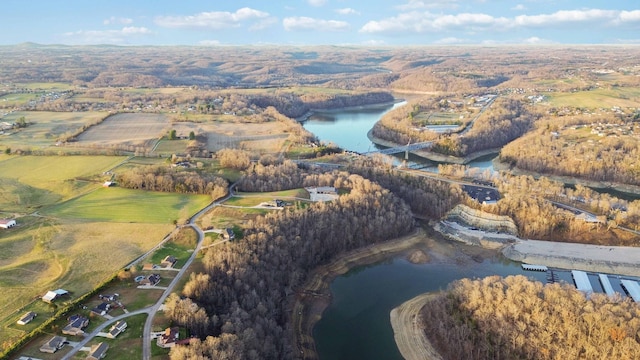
(7,223)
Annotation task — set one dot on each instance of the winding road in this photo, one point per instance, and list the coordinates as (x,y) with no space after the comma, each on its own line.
(152,310)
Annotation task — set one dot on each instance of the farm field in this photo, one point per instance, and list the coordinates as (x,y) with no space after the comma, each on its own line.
(30,182)
(9,101)
(125,205)
(46,128)
(76,256)
(598,98)
(126,129)
(265,137)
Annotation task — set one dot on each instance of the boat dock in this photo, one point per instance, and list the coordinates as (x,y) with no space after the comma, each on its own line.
(606,285)
(632,288)
(529,267)
(582,282)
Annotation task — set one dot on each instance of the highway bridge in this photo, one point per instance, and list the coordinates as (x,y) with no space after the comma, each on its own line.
(403,148)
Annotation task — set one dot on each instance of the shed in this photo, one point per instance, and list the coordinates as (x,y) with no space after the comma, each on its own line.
(7,223)
(26,318)
(54,294)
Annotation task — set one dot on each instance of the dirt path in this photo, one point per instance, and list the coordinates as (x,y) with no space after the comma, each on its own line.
(408,330)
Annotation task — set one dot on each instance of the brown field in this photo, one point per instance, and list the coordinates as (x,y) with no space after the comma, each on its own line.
(263,137)
(126,129)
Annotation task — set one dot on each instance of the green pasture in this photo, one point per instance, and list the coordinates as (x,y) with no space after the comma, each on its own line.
(127,345)
(169,147)
(30,182)
(14,100)
(46,127)
(599,98)
(135,206)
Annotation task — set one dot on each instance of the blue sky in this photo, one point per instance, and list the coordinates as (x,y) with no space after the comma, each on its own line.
(319,22)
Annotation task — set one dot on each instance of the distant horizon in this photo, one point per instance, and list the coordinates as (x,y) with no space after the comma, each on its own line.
(376,23)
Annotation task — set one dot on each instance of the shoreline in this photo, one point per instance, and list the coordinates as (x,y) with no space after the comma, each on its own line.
(315,295)
(407,329)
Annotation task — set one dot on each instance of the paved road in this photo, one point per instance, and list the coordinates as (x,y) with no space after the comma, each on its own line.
(152,310)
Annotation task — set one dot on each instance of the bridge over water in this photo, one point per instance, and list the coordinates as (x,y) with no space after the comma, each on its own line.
(399,149)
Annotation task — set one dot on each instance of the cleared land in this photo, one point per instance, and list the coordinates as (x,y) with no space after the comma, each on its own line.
(125,205)
(126,129)
(46,127)
(30,182)
(268,137)
(75,256)
(598,98)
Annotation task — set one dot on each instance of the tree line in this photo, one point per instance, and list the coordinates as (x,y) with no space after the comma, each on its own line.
(245,285)
(517,318)
(165,179)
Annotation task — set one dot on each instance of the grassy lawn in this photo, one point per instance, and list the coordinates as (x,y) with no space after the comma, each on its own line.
(181,253)
(171,147)
(126,205)
(14,100)
(127,345)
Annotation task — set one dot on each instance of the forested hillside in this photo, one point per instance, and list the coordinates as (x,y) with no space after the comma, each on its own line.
(241,297)
(516,318)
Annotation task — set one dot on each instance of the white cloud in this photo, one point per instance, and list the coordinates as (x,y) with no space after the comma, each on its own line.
(209,42)
(425,21)
(303,23)
(450,40)
(519,7)
(212,20)
(106,36)
(430,4)
(629,16)
(421,22)
(117,20)
(536,40)
(317,3)
(374,42)
(565,16)
(347,11)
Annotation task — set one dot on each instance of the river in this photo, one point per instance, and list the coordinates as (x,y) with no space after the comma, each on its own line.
(356,325)
(348,129)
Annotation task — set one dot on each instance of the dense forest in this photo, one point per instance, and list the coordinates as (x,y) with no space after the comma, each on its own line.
(601,150)
(506,120)
(244,288)
(516,318)
(166,179)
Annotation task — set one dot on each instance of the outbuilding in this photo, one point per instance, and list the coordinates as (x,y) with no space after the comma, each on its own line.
(7,223)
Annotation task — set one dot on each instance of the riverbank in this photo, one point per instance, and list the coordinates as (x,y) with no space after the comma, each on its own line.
(311,112)
(315,295)
(623,188)
(409,332)
(435,157)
